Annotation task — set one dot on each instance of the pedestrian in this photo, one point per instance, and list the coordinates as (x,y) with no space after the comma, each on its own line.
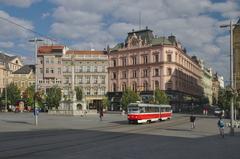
(204,111)
(221,127)
(100,113)
(192,120)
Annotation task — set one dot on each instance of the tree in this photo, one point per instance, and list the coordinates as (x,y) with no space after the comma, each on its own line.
(13,94)
(129,96)
(160,97)
(224,96)
(28,95)
(79,93)
(106,102)
(53,97)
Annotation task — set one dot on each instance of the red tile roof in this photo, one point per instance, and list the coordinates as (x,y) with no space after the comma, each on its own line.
(49,48)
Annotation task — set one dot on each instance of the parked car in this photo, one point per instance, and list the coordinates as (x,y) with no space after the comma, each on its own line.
(217,111)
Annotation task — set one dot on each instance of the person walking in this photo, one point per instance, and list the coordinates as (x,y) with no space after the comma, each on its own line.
(101,113)
(221,127)
(192,120)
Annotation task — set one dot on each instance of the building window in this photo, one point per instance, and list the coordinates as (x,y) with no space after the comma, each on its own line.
(145,59)
(145,73)
(59,71)
(59,60)
(124,74)
(124,61)
(156,58)
(169,71)
(52,60)
(47,60)
(103,79)
(169,58)
(95,80)
(88,79)
(145,86)
(134,75)
(88,91)
(95,68)
(114,75)
(114,63)
(134,60)
(47,70)
(41,70)
(134,86)
(114,87)
(52,70)
(156,85)
(88,68)
(169,85)
(156,72)
(124,86)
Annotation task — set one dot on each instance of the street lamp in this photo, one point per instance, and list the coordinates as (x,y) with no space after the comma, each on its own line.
(231,25)
(35,40)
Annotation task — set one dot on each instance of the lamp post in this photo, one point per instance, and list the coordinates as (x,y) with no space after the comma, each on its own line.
(231,25)
(35,40)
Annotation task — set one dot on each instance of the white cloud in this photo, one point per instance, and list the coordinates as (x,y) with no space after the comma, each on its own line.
(19,3)
(45,15)
(90,22)
(11,31)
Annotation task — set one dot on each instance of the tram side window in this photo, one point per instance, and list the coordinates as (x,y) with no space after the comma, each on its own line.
(163,109)
(151,109)
(142,110)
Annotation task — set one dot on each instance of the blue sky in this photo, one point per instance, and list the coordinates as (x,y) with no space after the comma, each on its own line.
(82,24)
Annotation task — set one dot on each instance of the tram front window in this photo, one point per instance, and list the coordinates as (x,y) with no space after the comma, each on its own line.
(133,110)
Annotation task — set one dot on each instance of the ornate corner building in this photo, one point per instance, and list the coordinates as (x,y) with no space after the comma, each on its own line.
(145,62)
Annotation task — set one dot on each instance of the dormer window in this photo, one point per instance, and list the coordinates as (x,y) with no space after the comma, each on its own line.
(16,61)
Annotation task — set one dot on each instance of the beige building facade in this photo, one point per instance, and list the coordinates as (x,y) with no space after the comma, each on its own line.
(8,64)
(90,71)
(236,56)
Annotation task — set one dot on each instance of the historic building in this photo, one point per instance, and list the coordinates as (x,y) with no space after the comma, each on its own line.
(207,83)
(24,77)
(8,64)
(145,62)
(236,56)
(90,71)
(215,89)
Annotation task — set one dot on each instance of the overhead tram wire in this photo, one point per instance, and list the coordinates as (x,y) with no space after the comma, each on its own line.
(30,30)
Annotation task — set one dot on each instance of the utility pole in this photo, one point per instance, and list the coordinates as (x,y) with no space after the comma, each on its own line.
(35,40)
(231,25)
(6,85)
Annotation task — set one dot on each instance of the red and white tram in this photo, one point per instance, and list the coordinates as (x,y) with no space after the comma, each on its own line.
(142,112)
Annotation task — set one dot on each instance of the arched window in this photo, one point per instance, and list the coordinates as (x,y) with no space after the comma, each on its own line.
(145,86)
(156,85)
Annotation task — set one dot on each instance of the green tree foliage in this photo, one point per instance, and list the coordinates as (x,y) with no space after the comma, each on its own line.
(28,95)
(160,97)
(53,97)
(224,96)
(106,102)
(79,93)
(13,94)
(128,97)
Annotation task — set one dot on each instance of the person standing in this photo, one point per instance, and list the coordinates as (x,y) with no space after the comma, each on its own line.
(101,113)
(221,127)
(192,120)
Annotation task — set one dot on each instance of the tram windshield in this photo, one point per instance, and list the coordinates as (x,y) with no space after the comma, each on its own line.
(133,110)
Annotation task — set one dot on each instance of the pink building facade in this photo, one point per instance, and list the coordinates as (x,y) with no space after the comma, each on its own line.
(145,62)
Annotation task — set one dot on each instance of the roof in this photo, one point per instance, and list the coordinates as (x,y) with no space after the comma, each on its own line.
(4,59)
(85,52)
(26,69)
(50,48)
(145,34)
(147,37)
